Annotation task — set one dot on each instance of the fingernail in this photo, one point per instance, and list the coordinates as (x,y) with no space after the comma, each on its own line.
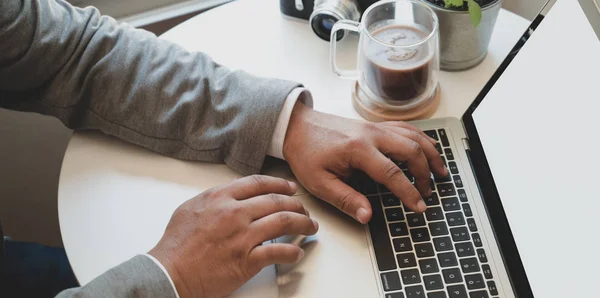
(421,206)
(300,256)
(361,215)
(293,186)
(316,224)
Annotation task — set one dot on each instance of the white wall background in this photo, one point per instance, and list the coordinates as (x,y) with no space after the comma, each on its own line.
(32,147)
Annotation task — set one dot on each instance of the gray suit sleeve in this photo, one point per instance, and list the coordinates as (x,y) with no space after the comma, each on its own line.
(93,73)
(125,280)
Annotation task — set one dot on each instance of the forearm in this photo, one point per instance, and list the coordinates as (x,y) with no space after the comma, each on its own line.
(93,73)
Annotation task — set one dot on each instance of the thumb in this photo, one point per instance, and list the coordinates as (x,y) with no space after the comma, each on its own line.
(345,198)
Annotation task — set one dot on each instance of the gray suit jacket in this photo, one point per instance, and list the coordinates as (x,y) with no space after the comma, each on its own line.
(92,73)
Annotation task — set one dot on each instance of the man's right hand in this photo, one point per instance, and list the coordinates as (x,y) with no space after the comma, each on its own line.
(213,242)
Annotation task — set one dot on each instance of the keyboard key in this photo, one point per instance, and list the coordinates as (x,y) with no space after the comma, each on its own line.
(451,204)
(452,275)
(432,134)
(407,260)
(443,137)
(394,214)
(382,188)
(402,166)
(479,294)
(394,295)
(481,255)
(369,186)
(446,178)
(459,234)
(453,167)
(402,244)
(381,239)
(492,287)
(415,220)
(469,265)
(398,229)
(410,276)
(447,259)
(455,219)
(442,243)
(464,249)
(419,235)
(440,294)
(475,281)
(432,200)
(433,282)
(438,228)
(434,213)
(471,224)
(477,240)
(391,281)
(457,291)
(429,266)
(467,209)
(406,209)
(487,271)
(449,154)
(446,190)
(462,195)
(457,181)
(408,175)
(390,200)
(438,147)
(424,250)
(415,292)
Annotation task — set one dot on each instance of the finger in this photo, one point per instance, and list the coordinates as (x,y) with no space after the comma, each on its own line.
(281,223)
(433,156)
(413,128)
(345,198)
(386,172)
(404,149)
(257,185)
(277,253)
(264,205)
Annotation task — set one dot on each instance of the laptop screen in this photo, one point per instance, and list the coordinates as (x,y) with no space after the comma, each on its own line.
(539,128)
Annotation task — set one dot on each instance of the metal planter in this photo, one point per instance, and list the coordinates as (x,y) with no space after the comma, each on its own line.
(462,45)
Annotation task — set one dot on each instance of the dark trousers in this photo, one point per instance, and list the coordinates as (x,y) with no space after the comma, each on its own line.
(34,270)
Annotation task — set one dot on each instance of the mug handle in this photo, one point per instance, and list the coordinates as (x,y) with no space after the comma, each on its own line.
(341,25)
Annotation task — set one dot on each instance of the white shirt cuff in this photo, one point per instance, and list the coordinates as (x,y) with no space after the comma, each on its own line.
(276,145)
(165,271)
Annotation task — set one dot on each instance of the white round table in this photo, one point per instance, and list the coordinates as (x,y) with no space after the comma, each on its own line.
(115,199)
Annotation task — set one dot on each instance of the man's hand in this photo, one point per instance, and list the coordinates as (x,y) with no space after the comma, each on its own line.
(323,149)
(213,242)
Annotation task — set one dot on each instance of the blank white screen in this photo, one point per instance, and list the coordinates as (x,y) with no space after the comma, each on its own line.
(539,129)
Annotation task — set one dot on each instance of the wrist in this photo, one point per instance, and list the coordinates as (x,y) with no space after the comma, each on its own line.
(172,271)
(295,127)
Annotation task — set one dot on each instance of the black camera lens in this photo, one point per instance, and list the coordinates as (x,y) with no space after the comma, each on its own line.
(322,24)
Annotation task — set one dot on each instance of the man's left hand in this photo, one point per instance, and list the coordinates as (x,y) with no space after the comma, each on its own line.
(323,149)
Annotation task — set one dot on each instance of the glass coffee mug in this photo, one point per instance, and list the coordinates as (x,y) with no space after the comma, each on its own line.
(398,61)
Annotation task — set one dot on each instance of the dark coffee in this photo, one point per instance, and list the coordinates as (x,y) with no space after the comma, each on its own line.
(397,74)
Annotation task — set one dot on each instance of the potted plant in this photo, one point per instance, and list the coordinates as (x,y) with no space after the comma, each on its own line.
(466,28)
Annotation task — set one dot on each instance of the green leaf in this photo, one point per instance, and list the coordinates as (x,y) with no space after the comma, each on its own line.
(453,3)
(474,12)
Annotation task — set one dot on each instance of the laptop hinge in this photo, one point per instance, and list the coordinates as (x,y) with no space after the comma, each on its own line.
(465,142)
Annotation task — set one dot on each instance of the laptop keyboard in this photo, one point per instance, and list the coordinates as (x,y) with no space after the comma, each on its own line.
(436,254)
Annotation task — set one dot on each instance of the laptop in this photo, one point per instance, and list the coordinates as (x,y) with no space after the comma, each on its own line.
(519,215)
